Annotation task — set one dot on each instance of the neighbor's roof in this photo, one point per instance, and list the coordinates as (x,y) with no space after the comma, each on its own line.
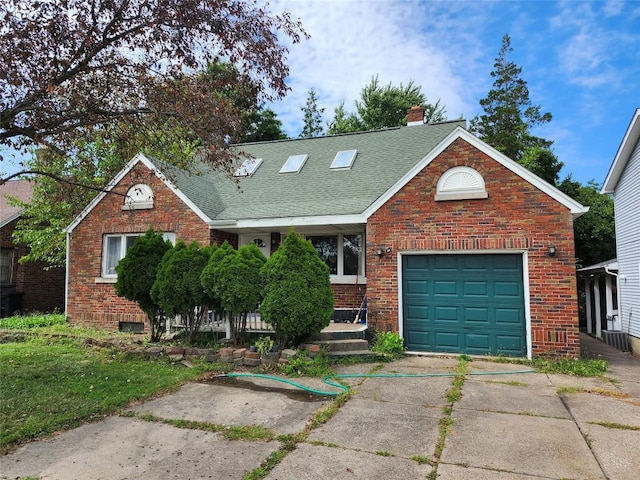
(20,189)
(628,144)
(607,265)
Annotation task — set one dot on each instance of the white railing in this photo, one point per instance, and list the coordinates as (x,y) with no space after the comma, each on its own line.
(216,322)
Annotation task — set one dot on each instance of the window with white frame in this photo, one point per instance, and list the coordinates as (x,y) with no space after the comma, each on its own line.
(115,248)
(342,253)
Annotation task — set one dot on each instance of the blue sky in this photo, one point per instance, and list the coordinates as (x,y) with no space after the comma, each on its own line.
(581,61)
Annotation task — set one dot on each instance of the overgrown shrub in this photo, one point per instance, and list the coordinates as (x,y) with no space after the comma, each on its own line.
(137,273)
(388,343)
(177,288)
(298,300)
(232,277)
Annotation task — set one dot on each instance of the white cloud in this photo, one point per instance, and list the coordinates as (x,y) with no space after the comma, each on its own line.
(400,41)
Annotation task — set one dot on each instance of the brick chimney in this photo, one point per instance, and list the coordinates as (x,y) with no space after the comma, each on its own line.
(415,116)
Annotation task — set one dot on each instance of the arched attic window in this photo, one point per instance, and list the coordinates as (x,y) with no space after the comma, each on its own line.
(460,183)
(139,197)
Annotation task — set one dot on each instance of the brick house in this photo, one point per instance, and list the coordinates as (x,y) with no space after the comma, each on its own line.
(24,287)
(457,247)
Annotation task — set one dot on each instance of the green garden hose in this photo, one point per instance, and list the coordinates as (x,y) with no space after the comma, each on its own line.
(344,389)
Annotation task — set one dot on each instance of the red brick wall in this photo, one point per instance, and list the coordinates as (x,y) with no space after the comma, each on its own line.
(42,288)
(515,216)
(96,304)
(348,295)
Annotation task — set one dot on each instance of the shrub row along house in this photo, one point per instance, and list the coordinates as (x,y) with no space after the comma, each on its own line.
(456,247)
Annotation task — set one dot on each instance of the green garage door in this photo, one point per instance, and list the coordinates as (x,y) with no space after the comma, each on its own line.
(464,304)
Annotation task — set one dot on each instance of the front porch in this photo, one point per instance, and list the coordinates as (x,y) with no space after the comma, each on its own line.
(219,323)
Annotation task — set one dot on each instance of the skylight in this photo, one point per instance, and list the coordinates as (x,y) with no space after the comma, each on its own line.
(247,168)
(343,159)
(294,163)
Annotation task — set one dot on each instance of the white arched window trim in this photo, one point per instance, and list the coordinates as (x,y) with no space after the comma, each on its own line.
(460,183)
(139,197)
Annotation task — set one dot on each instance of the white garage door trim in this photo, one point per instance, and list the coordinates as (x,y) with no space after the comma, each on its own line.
(525,280)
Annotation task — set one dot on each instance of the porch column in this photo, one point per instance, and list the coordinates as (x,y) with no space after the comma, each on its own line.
(608,299)
(587,294)
(596,294)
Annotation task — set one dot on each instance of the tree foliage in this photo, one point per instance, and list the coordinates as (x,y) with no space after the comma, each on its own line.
(233,278)
(137,273)
(177,288)
(298,300)
(384,106)
(262,125)
(595,230)
(312,119)
(71,69)
(543,162)
(509,115)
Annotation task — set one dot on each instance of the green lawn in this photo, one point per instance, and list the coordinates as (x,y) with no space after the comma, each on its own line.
(52,384)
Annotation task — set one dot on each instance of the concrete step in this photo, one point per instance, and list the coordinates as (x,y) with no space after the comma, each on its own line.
(347,353)
(347,345)
(339,335)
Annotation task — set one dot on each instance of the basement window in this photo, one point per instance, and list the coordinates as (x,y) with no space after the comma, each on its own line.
(343,160)
(294,163)
(248,167)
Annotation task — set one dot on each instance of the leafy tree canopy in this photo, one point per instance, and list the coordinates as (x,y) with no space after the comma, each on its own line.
(384,106)
(71,69)
(543,162)
(595,230)
(312,126)
(509,115)
(137,273)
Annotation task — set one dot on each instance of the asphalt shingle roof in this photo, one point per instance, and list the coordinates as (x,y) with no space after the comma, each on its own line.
(383,158)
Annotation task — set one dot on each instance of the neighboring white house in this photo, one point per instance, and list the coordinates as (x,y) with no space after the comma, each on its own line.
(623,181)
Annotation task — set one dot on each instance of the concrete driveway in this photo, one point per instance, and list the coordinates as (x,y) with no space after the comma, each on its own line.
(505,426)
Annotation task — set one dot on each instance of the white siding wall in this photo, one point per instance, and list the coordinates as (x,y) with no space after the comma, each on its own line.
(627,214)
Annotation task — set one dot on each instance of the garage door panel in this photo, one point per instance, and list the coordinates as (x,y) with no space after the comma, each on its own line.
(475,289)
(478,341)
(510,345)
(508,316)
(418,312)
(508,289)
(477,315)
(445,288)
(447,340)
(445,314)
(464,303)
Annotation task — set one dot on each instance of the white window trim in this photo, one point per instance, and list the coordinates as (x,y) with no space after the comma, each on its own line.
(113,277)
(460,183)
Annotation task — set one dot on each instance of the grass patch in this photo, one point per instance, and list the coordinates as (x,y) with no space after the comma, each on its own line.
(578,367)
(616,426)
(384,453)
(422,459)
(511,383)
(32,321)
(248,433)
(301,364)
(51,384)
